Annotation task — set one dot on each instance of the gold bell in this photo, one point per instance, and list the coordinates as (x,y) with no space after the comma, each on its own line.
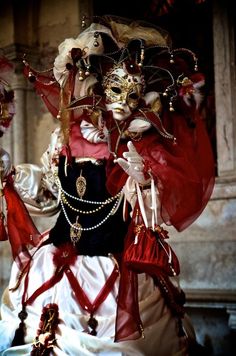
(172,58)
(83,22)
(31,77)
(171,106)
(87,72)
(81,75)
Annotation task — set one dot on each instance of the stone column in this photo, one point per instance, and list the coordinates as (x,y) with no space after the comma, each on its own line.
(19,127)
(15,140)
(225,89)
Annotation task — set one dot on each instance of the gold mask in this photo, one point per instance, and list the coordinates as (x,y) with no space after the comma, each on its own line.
(121,86)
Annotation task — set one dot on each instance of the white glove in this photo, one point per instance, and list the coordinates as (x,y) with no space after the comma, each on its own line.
(133,164)
(5,163)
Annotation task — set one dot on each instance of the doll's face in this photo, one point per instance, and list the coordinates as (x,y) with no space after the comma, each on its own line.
(123,92)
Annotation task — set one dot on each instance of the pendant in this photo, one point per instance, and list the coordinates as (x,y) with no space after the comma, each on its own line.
(75,234)
(93,323)
(81,185)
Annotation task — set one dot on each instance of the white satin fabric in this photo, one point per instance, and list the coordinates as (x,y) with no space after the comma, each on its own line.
(36,185)
(160,327)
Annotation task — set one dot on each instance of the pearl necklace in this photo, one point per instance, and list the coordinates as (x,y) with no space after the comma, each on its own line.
(80,228)
(107,201)
(65,201)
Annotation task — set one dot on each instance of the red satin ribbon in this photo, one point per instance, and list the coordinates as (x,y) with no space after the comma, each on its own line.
(102,295)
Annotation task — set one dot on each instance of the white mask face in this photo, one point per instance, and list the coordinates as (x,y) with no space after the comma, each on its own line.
(120,110)
(123,92)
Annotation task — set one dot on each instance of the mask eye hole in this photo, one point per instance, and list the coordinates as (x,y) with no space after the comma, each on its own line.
(133,96)
(116,90)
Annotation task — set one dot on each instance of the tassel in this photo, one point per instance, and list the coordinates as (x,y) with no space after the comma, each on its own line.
(19,338)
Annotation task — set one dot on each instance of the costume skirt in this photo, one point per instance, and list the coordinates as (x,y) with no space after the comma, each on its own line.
(72,337)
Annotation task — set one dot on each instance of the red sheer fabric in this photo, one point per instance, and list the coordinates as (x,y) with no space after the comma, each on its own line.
(46,87)
(184,173)
(128,322)
(22,232)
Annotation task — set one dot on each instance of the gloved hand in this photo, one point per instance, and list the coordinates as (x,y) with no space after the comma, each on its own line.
(5,163)
(132,164)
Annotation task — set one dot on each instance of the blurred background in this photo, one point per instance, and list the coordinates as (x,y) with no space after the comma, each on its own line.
(207,250)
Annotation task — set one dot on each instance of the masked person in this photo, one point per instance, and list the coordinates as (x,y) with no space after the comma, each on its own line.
(131,156)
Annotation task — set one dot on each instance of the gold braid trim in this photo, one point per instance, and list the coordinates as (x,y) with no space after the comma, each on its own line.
(64,114)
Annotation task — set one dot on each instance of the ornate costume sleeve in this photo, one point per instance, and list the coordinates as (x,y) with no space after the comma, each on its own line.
(36,185)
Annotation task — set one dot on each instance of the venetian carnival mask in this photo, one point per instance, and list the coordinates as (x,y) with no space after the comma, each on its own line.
(123,91)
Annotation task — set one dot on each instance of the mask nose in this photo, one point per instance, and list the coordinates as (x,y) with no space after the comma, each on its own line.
(123,98)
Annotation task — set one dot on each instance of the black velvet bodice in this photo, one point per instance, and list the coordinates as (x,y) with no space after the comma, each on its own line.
(107,238)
